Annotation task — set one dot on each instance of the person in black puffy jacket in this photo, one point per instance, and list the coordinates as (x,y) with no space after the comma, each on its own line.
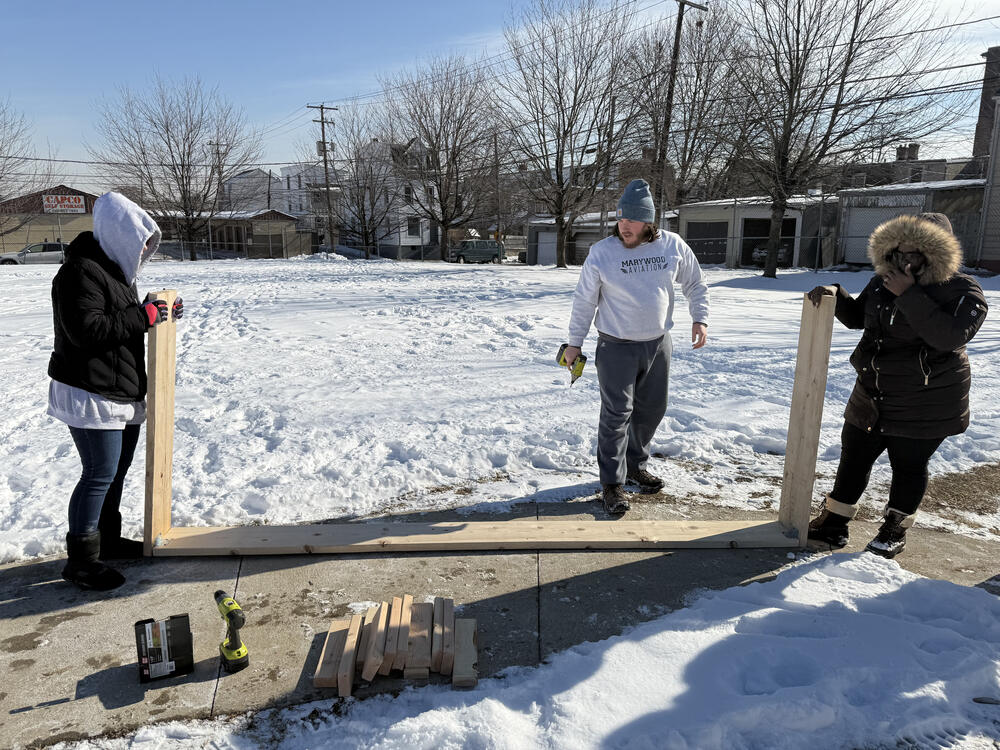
(912,388)
(98,377)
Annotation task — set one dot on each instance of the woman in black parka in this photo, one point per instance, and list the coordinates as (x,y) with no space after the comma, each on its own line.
(912,389)
(98,372)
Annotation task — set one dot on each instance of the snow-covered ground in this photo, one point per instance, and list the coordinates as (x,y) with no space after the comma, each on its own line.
(323,387)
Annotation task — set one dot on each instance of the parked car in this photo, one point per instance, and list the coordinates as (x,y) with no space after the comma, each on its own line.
(40,252)
(759,256)
(478,251)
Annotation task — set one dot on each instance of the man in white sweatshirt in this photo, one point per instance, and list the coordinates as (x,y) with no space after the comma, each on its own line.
(628,280)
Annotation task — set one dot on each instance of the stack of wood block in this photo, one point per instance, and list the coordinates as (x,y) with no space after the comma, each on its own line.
(413,638)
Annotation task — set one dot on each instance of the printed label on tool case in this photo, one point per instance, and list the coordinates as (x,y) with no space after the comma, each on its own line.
(165,647)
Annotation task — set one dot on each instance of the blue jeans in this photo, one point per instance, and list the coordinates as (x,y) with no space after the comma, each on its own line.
(106,456)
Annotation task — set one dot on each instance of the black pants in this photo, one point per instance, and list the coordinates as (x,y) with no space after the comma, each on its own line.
(907,456)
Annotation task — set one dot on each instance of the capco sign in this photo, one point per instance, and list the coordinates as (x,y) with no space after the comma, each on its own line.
(63,204)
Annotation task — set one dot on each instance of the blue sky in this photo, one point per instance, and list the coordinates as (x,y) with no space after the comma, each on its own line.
(270,58)
(59,60)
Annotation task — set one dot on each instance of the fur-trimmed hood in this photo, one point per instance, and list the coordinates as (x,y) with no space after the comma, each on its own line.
(940,247)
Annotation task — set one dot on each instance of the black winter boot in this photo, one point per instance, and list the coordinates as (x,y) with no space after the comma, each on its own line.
(113,545)
(614,499)
(891,537)
(82,567)
(829,527)
(648,483)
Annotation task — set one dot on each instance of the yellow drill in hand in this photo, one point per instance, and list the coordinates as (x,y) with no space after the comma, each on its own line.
(577,369)
(232,650)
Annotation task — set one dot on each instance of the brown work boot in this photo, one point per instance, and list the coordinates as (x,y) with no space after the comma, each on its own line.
(648,483)
(615,502)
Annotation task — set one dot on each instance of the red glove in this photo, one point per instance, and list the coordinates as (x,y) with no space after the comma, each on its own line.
(178,309)
(156,311)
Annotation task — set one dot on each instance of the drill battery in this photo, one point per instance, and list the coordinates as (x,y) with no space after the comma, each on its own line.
(165,647)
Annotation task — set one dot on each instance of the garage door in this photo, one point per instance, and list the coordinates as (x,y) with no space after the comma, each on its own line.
(861,222)
(546,249)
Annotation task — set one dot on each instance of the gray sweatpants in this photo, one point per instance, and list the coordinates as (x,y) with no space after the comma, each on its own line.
(633,379)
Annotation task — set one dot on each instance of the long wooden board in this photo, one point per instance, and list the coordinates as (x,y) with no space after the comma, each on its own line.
(806,414)
(161,366)
(471,535)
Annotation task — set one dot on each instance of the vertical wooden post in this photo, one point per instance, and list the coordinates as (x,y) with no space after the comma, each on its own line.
(805,418)
(160,370)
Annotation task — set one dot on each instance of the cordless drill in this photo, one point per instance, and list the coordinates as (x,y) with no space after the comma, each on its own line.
(577,369)
(232,650)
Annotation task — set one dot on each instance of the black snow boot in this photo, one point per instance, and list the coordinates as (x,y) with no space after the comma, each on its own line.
(648,483)
(829,527)
(891,537)
(614,499)
(83,568)
(113,545)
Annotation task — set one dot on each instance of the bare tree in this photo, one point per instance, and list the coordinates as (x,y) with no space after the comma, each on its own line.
(177,143)
(371,188)
(566,126)
(696,148)
(443,116)
(20,173)
(833,80)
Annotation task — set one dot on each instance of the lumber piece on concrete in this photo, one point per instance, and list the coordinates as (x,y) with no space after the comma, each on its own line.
(391,636)
(470,535)
(376,644)
(403,643)
(437,634)
(465,672)
(345,673)
(367,626)
(329,658)
(448,637)
(418,656)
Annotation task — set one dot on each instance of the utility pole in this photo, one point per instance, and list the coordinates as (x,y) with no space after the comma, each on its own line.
(496,169)
(660,168)
(607,174)
(217,166)
(326,167)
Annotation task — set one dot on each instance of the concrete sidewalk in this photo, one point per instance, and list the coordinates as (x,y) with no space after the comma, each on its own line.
(69,662)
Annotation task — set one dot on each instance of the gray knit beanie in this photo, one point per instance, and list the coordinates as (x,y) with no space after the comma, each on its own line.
(938,219)
(636,203)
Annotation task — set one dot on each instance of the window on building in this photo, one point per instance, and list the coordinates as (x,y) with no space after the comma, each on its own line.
(299,180)
(288,182)
(408,194)
(413,226)
(916,174)
(858,179)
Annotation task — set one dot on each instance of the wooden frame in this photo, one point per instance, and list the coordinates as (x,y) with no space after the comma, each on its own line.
(789,530)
